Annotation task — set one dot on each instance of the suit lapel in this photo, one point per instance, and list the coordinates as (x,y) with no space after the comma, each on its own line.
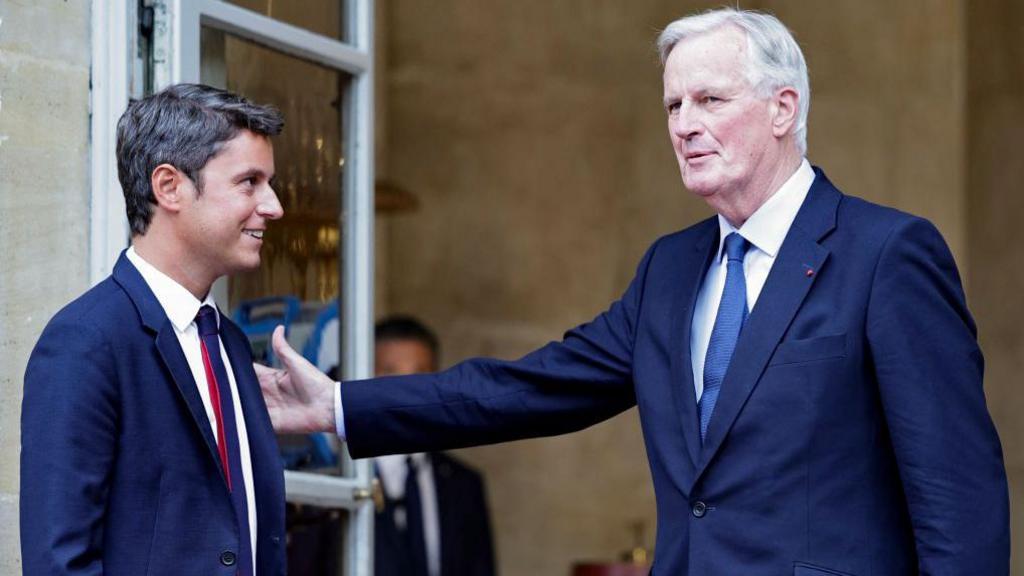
(689,276)
(169,348)
(267,478)
(174,359)
(800,261)
(446,509)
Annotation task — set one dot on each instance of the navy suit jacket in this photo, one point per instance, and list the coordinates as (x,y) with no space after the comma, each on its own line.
(851,434)
(119,467)
(466,545)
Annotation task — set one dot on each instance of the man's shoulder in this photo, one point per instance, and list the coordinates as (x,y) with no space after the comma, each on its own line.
(84,329)
(855,210)
(105,304)
(870,226)
(866,212)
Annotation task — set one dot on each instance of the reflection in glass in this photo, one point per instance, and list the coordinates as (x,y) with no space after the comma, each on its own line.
(301,251)
(297,283)
(313,537)
(324,17)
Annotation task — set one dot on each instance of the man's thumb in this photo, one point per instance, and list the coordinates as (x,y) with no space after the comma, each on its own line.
(282,349)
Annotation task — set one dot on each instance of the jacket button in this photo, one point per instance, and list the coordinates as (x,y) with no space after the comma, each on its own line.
(700,509)
(227,558)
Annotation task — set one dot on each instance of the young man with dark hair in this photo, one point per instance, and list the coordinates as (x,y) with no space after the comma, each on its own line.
(146,446)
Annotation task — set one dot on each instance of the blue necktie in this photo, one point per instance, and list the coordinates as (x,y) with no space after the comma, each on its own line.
(732,313)
(414,520)
(209,336)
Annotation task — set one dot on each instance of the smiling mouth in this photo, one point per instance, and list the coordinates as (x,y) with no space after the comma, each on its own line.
(257,234)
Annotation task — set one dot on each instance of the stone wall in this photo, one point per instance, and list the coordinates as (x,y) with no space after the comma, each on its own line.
(996,240)
(44,202)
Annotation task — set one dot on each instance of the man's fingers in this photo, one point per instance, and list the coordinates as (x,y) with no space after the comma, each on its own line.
(263,371)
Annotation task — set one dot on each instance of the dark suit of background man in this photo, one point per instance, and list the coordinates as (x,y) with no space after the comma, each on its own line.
(806,370)
(434,521)
(146,445)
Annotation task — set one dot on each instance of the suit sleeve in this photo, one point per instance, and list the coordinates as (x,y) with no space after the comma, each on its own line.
(68,437)
(563,387)
(929,369)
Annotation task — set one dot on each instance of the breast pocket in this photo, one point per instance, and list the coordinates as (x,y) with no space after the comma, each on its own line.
(809,350)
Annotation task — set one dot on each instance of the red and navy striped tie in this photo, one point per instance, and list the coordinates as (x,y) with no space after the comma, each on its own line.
(227,430)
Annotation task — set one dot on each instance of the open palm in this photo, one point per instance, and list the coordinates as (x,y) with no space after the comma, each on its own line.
(299,397)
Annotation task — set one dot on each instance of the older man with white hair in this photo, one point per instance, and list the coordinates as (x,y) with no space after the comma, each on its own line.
(807,373)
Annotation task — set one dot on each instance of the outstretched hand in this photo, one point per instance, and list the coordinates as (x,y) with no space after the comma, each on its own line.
(299,397)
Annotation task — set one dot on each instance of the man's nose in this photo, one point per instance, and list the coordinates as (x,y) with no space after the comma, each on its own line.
(685,123)
(270,206)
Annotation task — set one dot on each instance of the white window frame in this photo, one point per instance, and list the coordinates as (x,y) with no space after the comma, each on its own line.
(178,24)
(113,42)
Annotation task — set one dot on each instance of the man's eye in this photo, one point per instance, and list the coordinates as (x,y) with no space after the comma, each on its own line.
(673,108)
(710,99)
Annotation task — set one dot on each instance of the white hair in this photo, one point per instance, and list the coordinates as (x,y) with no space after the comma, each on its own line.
(775,59)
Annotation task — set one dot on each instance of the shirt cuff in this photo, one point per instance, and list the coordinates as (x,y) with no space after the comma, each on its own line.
(339,413)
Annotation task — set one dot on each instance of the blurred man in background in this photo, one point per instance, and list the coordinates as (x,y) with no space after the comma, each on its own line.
(434,519)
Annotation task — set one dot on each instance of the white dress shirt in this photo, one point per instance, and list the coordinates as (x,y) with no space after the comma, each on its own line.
(181,308)
(393,471)
(764,230)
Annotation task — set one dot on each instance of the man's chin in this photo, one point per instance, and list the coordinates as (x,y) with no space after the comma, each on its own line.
(700,187)
(250,263)
(700,180)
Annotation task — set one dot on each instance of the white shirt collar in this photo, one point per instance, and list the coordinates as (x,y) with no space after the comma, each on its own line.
(178,303)
(768,225)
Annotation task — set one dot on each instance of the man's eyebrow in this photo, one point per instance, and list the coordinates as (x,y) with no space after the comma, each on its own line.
(249,174)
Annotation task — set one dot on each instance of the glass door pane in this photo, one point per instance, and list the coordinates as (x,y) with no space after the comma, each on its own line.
(298,281)
(324,17)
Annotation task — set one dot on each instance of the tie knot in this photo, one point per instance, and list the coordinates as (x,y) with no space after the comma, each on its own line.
(206,321)
(735,246)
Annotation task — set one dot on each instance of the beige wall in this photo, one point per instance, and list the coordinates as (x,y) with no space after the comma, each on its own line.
(44,202)
(996,239)
(533,133)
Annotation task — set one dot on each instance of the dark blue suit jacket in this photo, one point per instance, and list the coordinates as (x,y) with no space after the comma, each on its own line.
(851,435)
(119,468)
(466,544)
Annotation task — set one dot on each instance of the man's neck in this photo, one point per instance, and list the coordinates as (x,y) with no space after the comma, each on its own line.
(746,204)
(172,265)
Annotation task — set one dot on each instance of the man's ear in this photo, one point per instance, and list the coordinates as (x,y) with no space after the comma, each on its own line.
(785,108)
(170,187)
